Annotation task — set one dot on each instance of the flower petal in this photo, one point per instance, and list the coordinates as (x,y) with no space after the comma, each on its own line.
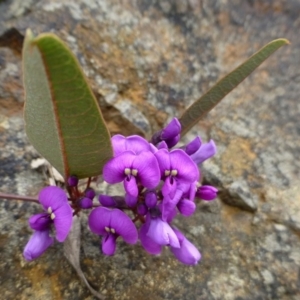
(187,253)
(168,204)
(130,200)
(163,159)
(148,169)
(63,221)
(162,145)
(171,215)
(39,242)
(148,244)
(133,143)
(52,196)
(123,226)
(40,222)
(130,186)
(153,149)
(185,187)
(172,142)
(161,233)
(171,130)
(204,152)
(99,218)
(109,244)
(186,207)
(192,191)
(119,144)
(113,171)
(193,146)
(137,144)
(169,187)
(186,168)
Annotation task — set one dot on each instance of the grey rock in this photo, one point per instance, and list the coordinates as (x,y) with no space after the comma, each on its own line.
(239,195)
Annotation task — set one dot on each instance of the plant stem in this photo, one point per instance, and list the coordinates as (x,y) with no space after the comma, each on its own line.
(18,197)
(88,182)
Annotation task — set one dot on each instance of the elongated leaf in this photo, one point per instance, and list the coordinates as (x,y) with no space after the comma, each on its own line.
(202,106)
(62,117)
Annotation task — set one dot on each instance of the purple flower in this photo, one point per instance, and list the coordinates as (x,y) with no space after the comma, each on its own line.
(54,200)
(170,134)
(39,242)
(112,223)
(148,244)
(156,233)
(58,213)
(207,192)
(187,253)
(204,152)
(161,233)
(183,199)
(186,205)
(133,168)
(133,143)
(176,166)
(179,172)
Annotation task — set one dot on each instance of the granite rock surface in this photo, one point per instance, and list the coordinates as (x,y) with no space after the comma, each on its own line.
(147,60)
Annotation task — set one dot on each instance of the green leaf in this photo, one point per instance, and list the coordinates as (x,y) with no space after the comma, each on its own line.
(63,120)
(210,99)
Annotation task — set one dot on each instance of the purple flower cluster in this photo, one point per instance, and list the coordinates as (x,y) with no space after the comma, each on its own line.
(159,183)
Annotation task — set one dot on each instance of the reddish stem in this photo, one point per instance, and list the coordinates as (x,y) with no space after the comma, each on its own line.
(88,182)
(18,197)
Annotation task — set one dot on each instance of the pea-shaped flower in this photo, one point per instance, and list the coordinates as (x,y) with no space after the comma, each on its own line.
(187,253)
(112,223)
(132,169)
(58,215)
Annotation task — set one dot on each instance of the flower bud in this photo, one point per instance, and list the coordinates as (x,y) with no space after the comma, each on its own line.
(207,192)
(151,199)
(90,193)
(107,201)
(86,203)
(142,209)
(170,134)
(72,181)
